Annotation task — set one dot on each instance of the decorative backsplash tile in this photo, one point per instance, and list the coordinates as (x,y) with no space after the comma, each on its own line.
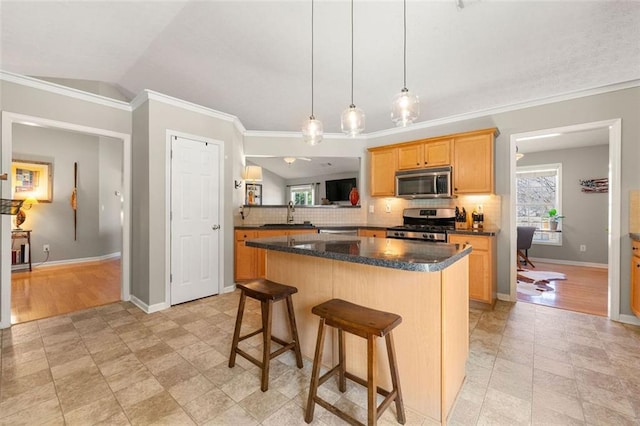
(634,210)
(386,212)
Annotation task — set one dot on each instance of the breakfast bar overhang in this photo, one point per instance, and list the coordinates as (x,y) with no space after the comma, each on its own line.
(426,284)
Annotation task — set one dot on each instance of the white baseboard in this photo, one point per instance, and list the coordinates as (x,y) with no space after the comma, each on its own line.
(229,289)
(570,262)
(73,261)
(629,319)
(149,309)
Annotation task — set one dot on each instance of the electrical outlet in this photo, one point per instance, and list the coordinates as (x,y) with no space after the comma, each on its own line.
(387,207)
(371,208)
(583,247)
(46,248)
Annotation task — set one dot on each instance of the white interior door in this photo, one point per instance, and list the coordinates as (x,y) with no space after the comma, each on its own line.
(195,219)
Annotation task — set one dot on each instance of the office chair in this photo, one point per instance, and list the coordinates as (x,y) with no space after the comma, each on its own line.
(525,237)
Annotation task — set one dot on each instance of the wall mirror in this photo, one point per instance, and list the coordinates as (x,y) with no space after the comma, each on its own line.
(307,181)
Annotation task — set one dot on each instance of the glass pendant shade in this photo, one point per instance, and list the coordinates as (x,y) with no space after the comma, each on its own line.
(405,108)
(352,121)
(312,131)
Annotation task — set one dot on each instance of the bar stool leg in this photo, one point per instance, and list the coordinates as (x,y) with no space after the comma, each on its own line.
(342,381)
(294,331)
(266,343)
(236,332)
(315,373)
(395,380)
(372,373)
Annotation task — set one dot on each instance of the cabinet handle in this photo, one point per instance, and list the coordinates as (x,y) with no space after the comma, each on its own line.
(634,248)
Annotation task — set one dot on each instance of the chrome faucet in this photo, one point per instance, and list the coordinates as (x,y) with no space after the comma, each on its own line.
(290,210)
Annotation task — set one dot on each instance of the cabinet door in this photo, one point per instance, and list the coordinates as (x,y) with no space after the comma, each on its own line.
(410,157)
(473,164)
(480,279)
(635,285)
(437,153)
(245,262)
(383,171)
(261,256)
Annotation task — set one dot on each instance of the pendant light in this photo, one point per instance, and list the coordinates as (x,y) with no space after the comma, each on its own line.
(352,120)
(312,128)
(405,107)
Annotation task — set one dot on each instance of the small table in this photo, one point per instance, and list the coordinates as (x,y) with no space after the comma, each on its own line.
(20,253)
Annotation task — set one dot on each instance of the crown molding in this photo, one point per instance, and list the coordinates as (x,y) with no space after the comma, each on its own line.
(297,135)
(147,95)
(58,89)
(506,108)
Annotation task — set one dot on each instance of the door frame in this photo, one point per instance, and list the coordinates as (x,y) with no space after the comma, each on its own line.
(169,134)
(613,239)
(8,120)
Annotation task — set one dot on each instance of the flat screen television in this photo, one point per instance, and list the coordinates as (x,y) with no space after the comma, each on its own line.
(339,189)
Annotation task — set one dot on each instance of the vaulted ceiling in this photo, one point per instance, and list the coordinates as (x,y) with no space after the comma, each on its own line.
(252,59)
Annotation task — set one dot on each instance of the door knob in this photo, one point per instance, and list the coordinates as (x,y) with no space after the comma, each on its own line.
(215,227)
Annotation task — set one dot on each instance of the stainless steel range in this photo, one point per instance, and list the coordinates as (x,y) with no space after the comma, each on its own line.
(427,224)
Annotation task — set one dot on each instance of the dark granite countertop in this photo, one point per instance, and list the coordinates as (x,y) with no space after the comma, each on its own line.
(487,232)
(387,253)
(634,236)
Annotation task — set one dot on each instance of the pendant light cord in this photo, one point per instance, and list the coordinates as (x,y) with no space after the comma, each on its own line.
(312,59)
(404,43)
(352,53)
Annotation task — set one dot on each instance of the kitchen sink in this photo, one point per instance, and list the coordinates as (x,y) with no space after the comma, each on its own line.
(287,225)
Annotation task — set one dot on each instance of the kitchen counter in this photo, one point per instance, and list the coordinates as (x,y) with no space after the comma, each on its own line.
(426,284)
(407,255)
(634,236)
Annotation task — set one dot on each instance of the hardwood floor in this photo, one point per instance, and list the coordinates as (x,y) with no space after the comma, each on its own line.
(585,289)
(55,290)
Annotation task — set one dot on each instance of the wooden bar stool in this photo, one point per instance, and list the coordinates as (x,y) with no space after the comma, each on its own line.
(366,323)
(266,292)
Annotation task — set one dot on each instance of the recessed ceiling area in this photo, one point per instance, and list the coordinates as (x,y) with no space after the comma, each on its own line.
(568,140)
(307,166)
(252,59)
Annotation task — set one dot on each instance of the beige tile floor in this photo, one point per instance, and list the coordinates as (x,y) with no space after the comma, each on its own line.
(115,365)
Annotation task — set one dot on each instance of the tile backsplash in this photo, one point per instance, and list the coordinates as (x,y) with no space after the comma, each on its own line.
(386,212)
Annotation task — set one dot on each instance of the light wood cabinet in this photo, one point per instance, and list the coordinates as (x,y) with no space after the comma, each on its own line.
(378,233)
(250,262)
(473,163)
(424,154)
(482,266)
(635,277)
(383,172)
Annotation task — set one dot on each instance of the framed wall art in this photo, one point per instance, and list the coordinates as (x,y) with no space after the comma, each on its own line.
(31,179)
(253,192)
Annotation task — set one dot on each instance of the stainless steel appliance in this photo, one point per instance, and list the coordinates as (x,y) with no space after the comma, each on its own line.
(433,182)
(426,224)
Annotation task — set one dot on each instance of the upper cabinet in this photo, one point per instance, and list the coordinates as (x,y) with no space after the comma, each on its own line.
(473,163)
(424,154)
(383,171)
(470,154)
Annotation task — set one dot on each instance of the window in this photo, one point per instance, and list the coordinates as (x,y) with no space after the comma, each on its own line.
(539,189)
(302,195)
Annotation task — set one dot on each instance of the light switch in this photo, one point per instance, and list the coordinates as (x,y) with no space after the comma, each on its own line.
(371,208)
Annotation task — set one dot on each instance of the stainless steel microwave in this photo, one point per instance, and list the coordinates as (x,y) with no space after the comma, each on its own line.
(433,182)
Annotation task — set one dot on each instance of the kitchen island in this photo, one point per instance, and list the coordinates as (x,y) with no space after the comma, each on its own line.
(425,283)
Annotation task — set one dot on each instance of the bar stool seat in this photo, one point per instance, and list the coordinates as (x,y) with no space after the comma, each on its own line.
(267,292)
(366,323)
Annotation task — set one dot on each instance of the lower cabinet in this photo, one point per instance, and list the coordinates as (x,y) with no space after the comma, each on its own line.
(635,277)
(250,262)
(482,266)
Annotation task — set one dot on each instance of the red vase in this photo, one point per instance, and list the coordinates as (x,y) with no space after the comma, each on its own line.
(354,196)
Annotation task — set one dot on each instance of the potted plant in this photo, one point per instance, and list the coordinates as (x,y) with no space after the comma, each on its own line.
(553,219)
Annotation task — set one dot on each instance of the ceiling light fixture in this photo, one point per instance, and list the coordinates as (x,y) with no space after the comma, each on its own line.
(352,120)
(289,160)
(312,128)
(519,155)
(405,107)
